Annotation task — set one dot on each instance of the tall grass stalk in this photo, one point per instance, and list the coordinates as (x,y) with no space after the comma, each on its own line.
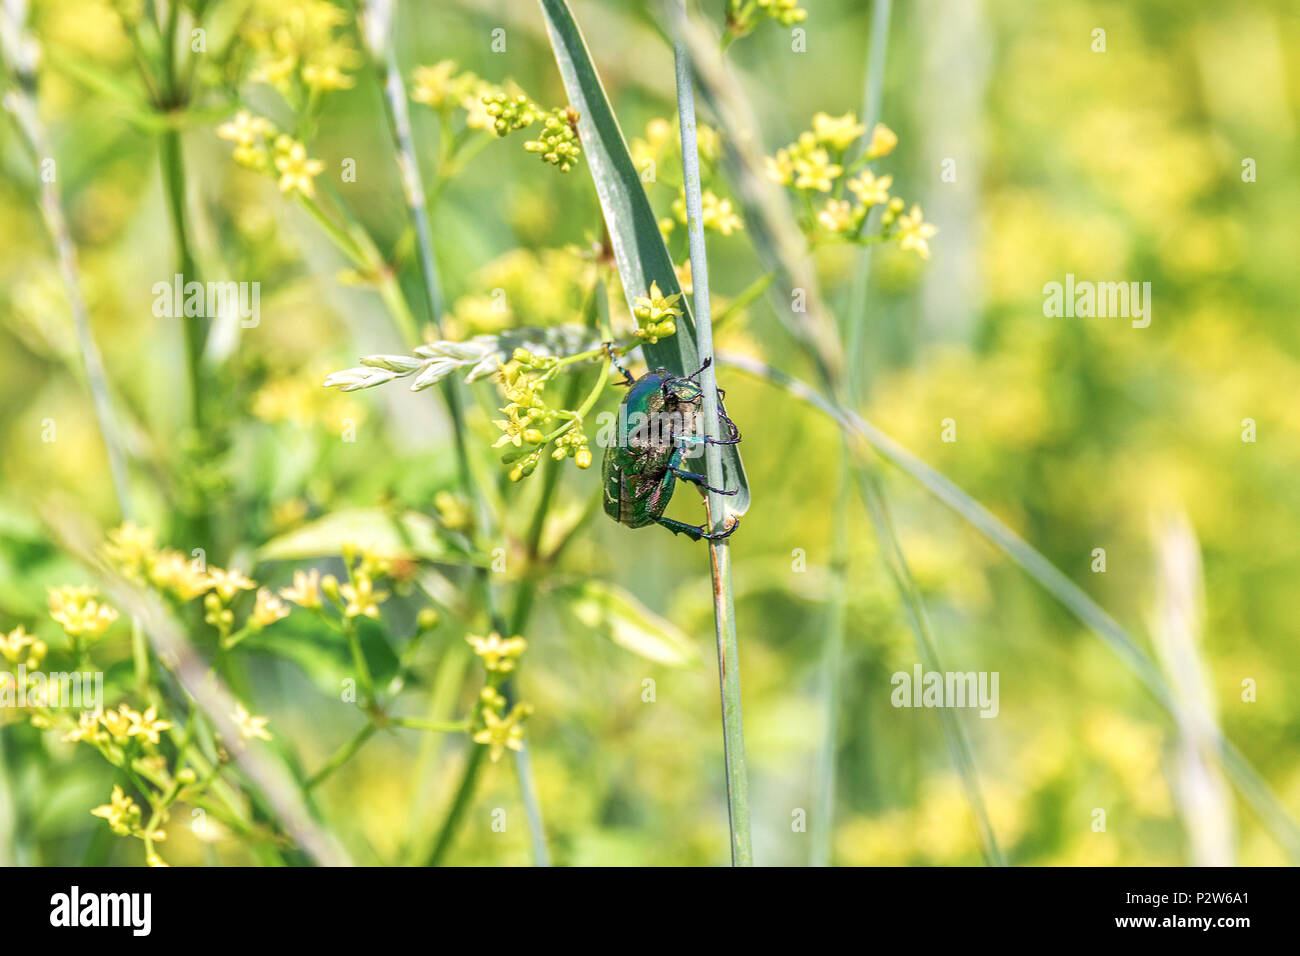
(836,617)
(381,39)
(733,735)
(772,226)
(21,104)
(172,96)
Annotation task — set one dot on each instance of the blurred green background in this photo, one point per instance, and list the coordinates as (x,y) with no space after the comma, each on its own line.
(1122,165)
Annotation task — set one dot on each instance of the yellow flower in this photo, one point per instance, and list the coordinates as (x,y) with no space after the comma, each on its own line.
(147,725)
(655,314)
(249,725)
(15,647)
(512,426)
(87,729)
(913,233)
(716,214)
(121,812)
(119,722)
(498,655)
(476,108)
(325,76)
(440,87)
(780,168)
(870,189)
(655,306)
(837,132)
(816,171)
(244,128)
(228,583)
(658,133)
(452,510)
(249,134)
(296,170)
(362,598)
(78,612)
(297,38)
(306,589)
(838,216)
(883,141)
(173,572)
(785,12)
(684,278)
(130,548)
(503,732)
(268,609)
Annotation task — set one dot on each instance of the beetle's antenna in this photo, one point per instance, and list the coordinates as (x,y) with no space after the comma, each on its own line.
(627,376)
(696,374)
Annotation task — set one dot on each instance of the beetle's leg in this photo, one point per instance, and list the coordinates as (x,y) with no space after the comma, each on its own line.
(696,533)
(697,480)
(706,440)
(627,376)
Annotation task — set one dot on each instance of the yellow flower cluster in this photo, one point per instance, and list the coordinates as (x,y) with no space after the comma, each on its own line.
(121,812)
(79,612)
(500,731)
(744,15)
(716,214)
(817,163)
(498,654)
(500,110)
(356,597)
(119,726)
(20,648)
(441,88)
(523,380)
(133,551)
(300,44)
(656,314)
(258,147)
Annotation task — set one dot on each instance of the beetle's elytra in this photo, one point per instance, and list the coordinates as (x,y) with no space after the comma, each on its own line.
(659,419)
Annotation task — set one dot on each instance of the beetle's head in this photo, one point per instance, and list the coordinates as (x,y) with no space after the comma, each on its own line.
(682,391)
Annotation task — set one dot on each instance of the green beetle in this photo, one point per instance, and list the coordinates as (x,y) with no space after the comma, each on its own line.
(658,420)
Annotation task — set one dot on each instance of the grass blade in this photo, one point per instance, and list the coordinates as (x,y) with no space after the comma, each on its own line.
(773,229)
(638,246)
(833,641)
(724,612)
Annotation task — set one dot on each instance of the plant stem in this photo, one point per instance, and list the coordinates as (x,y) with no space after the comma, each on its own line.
(518,621)
(833,650)
(21,103)
(399,122)
(341,756)
(733,736)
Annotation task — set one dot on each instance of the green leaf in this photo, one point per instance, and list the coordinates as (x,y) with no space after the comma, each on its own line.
(631,625)
(408,533)
(638,246)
